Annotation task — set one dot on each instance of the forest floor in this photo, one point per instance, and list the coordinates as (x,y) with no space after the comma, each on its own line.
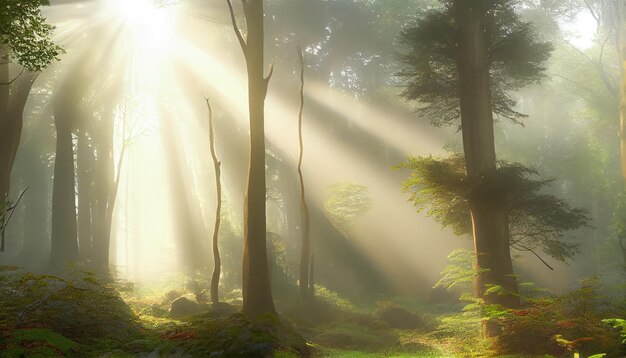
(78,314)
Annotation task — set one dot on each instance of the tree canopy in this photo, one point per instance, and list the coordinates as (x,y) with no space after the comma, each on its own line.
(431,50)
(24,31)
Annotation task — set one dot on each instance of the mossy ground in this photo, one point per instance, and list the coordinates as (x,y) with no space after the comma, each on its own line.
(82,314)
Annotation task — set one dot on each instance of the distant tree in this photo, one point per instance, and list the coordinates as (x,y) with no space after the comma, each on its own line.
(345,202)
(217,165)
(462,60)
(25,38)
(256,288)
(305,283)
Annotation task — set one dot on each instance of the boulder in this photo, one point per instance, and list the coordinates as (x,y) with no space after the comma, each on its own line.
(183,306)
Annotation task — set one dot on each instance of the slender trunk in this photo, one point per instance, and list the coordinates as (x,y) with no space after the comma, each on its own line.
(621,38)
(6,137)
(305,254)
(103,182)
(256,287)
(217,260)
(64,241)
(489,219)
(84,158)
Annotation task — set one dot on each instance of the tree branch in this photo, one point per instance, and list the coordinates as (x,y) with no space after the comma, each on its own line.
(522,248)
(13,80)
(5,220)
(233,19)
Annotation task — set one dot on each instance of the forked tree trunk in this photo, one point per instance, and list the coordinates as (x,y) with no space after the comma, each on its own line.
(256,287)
(306,288)
(217,165)
(489,218)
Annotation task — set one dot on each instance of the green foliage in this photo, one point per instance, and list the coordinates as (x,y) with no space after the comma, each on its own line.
(441,189)
(618,323)
(37,343)
(345,202)
(430,59)
(26,34)
(459,273)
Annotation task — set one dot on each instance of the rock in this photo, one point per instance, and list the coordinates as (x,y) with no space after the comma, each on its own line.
(183,306)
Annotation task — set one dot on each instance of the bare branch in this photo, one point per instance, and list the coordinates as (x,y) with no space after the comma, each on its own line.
(233,19)
(269,76)
(13,80)
(6,219)
(522,248)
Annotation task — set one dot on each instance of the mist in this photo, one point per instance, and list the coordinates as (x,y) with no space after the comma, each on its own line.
(431,178)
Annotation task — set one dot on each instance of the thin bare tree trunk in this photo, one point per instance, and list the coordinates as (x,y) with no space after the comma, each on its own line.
(305,255)
(85,159)
(217,260)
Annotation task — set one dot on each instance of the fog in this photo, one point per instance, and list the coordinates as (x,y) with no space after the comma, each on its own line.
(130,93)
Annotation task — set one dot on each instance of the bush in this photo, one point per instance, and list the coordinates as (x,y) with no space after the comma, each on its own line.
(398,317)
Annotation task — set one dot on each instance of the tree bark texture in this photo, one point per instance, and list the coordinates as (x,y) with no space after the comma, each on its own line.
(256,287)
(489,218)
(306,288)
(217,165)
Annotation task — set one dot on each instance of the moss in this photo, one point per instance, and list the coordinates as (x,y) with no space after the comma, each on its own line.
(38,343)
(235,336)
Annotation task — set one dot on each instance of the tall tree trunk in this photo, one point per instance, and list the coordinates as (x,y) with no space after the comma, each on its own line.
(64,242)
(5,132)
(217,165)
(13,96)
(103,182)
(85,159)
(256,288)
(306,289)
(489,219)
(620,13)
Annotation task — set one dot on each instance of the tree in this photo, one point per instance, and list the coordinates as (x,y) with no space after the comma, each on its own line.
(537,221)
(217,165)
(306,265)
(256,288)
(345,202)
(462,60)
(67,107)
(25,37)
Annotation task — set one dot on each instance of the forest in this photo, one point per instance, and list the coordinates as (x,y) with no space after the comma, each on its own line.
(313,178)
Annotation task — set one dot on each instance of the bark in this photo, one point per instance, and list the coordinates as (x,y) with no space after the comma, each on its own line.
(217,260)
(256,288)
(85,159)
(305,254)
(489,219)
(64,249)
(102,209)
(13,99)
(620,13)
